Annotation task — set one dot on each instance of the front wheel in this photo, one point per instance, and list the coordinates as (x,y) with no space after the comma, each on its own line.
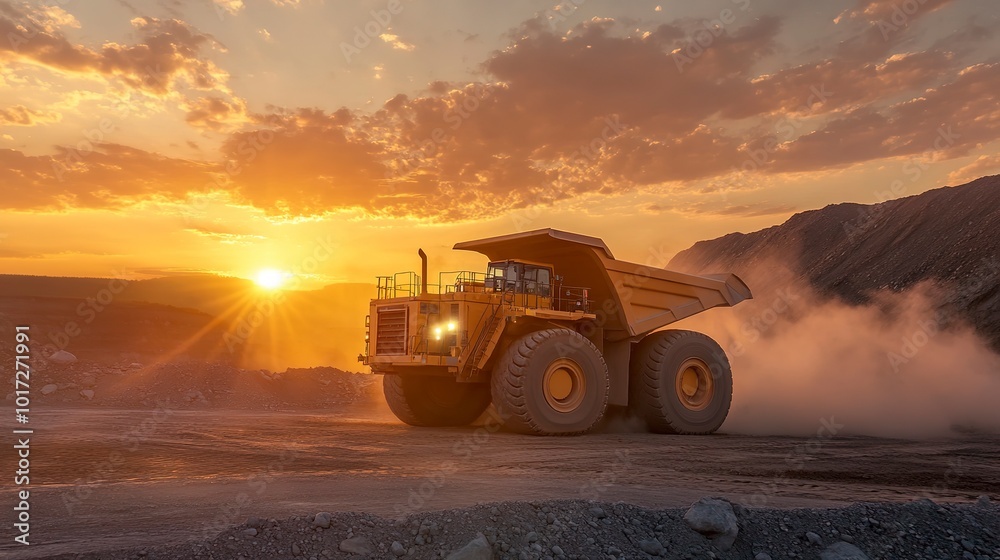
(681,383)
(551,382)
(427,400)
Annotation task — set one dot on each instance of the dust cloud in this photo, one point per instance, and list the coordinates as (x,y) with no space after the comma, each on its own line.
(900,366)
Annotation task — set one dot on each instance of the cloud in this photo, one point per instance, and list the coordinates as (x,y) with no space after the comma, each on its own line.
(19,115)
(946,121)
(395,42)
(222,233)
(169,51)
(230,6)
(983,165)
(600,110)
(216,113)
(890,11)
(108,176)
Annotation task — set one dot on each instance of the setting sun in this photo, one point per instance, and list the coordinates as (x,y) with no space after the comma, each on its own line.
(271,279)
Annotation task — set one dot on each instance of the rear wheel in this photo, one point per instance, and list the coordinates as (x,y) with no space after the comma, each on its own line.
(681,383)
(426,400)
(551,382)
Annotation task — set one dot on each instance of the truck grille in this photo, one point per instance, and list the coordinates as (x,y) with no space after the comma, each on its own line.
(390,338)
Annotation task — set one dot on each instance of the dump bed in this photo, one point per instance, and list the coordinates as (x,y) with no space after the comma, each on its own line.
(630,299)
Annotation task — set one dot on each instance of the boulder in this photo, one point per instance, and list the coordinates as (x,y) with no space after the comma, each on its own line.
(62,357)
(322,519)
(356,545)
(477,549)
(841,550)
(715,519)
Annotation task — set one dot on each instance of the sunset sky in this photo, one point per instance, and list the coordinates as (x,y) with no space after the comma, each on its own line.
(230,136)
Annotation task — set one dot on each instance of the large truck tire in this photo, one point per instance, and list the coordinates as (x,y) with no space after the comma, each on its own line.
(551,382)
(681,382)
(426,400)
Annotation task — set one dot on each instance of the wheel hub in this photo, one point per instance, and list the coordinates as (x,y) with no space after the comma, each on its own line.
(564,385)
(694,384)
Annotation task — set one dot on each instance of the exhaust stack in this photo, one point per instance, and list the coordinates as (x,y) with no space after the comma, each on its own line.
(423,271)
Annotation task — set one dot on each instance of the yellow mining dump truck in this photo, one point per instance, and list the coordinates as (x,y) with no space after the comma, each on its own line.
(552,334)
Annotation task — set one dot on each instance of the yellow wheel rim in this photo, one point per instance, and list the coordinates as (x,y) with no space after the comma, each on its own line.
(694,384)
(564,385)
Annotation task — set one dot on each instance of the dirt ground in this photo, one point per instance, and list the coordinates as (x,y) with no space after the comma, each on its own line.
(110,478)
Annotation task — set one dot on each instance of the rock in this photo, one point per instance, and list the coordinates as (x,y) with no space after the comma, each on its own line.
(814,538)
(62,357)
(296,550)
(531,537)
(983,501)
(356,545)
(255,522)
(651,547)
(398,549)
(251,532)
(557,551)
(135,365)
(88,381)
(715,519)
(49,389)
(598,512)
(968,545)
(762,556)
(322,519)
(842,551)
(87,394)
(477,549)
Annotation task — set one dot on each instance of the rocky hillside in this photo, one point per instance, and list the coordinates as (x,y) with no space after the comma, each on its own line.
(949,235)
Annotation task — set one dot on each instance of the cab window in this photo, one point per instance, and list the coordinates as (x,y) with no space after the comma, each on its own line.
(537,280)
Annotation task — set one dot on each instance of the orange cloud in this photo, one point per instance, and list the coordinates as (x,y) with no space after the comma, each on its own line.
(19,115)
(169,51)
(602,109)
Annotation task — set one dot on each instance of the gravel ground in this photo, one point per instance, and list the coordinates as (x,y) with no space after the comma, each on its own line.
(710,528)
